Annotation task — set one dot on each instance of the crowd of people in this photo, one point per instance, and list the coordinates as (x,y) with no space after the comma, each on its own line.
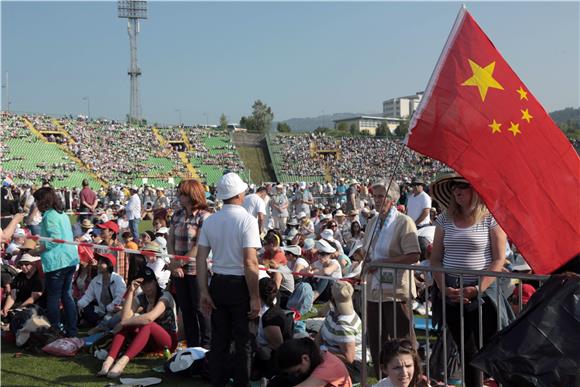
(363,158)
(270,254)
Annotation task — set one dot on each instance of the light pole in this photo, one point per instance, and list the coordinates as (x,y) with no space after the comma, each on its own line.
(206,120)
(88,106)
(178,111)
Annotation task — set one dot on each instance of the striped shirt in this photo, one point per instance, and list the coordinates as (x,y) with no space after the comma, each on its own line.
(466,248)
(342,329)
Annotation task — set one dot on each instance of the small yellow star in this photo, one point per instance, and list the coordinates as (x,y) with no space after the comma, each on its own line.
(523,93)
(526,115)
(482,78)
(514,128)
(495,127)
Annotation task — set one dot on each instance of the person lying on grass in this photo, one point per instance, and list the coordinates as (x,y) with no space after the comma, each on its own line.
(149,320)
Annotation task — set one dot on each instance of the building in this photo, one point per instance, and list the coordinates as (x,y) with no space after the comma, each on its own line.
(368,123)
(402,107)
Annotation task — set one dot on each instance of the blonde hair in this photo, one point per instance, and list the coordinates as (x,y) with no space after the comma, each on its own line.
(477,209)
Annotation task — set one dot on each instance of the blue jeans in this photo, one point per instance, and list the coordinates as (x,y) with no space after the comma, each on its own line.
(134,227)
(58,287)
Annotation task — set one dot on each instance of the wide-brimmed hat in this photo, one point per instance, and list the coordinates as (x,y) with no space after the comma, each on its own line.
(28,258)
(86,223)
(441,188)
(327,234)
(339,213)
(342,295)
(309,244)
(324,247)
(29,244)
(229,186)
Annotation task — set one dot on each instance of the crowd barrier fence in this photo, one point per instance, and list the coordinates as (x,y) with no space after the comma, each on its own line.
(410,270)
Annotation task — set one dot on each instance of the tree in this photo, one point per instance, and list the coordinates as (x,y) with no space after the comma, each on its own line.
(262,117)
(403,128)
(283,127)
(342,127)
(223,122)
(382,130)
(320,130)
(353,129)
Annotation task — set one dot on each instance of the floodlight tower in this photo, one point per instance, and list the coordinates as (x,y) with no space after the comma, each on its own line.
(133,10)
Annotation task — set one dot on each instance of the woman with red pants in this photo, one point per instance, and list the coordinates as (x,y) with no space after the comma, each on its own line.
(149,320)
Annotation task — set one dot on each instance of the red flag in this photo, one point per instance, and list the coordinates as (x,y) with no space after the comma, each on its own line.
(479,118)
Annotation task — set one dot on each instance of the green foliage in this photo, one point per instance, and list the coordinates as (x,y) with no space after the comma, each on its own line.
(342,127)
(223,122)
(383,130)
(402,129)
(261,119)
(353,129)
(321,130)
(283,127)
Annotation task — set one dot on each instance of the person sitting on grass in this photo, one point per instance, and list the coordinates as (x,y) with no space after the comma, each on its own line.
(301,363)
(26,287)
(149,319)
(401,363)
(104,296)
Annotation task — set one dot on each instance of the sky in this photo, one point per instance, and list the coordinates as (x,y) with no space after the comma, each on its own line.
(303,59)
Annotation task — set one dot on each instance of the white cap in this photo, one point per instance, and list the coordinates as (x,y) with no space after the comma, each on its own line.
(302,185)
(229,186)
(339,213)
(327,234)
(325,247)
(293,249)
(302,215)
(162,230)
(308,244)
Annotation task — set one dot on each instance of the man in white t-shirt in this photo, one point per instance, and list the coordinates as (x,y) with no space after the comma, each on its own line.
(233,298)
(133,211)
(255,204)
(419,204)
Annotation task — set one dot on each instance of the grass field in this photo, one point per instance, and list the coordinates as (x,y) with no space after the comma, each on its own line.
(255,161)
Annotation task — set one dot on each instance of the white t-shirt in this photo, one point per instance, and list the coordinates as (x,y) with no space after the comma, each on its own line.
(227,233)
(337,273)
(299,261)
(255,205)
(416,205)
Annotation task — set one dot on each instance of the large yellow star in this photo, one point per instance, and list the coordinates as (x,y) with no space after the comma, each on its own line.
(526,115)
(495,127)
(482,78)
(523,93)
(515,129)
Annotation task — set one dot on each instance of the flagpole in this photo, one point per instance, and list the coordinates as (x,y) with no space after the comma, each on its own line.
(435,75)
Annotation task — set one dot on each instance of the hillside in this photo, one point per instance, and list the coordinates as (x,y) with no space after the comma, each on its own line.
(568,120)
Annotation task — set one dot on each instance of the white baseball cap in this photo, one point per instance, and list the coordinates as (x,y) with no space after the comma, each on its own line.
(229,186)
(327,234)
(293,249)
(302,215)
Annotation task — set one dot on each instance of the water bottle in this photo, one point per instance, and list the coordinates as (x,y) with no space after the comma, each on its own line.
(167,353)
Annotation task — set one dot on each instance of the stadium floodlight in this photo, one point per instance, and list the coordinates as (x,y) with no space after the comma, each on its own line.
(133,10)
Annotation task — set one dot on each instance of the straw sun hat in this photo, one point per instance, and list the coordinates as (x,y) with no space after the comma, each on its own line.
(441,188)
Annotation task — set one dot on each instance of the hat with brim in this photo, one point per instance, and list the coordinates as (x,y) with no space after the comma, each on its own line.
(441,188)
(230,185)
(327,234)
(342,295)
(29,244)
(114,227)
(28,258)
(86,223)
(110,257)
(309,244)
(324,247)
(293,249)
(339,214)
(293,222)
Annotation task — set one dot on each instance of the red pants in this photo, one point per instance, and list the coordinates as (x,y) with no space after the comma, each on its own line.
(152,336)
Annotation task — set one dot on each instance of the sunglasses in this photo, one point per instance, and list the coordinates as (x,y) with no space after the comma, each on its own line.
(455,186)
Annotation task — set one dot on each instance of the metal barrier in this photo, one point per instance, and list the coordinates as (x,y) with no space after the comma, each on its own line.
(409,270)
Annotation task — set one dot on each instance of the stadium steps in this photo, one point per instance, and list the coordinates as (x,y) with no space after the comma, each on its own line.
(63,131)
(192,171)
(327,174)
(158,136)
(185,139)
(64,148)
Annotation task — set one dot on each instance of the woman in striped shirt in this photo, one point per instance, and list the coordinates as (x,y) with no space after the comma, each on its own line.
(467,237)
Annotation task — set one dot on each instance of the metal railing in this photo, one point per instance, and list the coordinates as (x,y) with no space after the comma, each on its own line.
(409,270)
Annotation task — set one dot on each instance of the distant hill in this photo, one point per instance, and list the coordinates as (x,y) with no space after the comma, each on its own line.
(565,118)
(308,124)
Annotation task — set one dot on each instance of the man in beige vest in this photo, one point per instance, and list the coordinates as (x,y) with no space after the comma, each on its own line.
(391,237)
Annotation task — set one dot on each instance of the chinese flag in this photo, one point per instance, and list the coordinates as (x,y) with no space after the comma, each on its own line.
(479,118)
